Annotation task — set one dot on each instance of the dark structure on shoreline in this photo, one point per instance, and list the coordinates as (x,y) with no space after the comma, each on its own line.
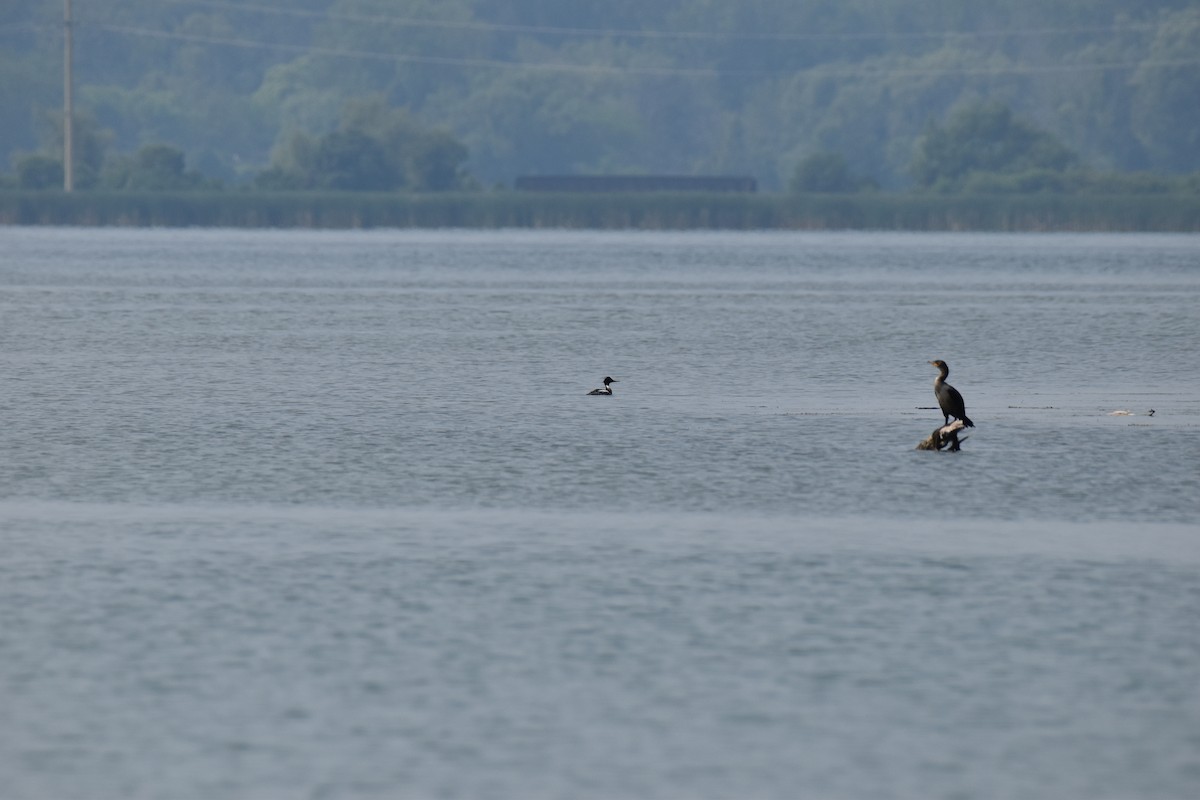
(635,183)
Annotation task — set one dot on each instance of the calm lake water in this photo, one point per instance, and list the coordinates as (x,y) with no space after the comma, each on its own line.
(330,515)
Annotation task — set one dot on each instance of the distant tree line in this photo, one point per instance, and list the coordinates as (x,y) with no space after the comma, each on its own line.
(833,96)
(984,148)
(981,148)
(374,149)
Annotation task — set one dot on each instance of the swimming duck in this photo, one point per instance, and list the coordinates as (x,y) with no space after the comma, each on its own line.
(608,382)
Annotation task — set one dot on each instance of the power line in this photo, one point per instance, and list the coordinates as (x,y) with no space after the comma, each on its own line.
(628,33)
(401,57)
(632,70)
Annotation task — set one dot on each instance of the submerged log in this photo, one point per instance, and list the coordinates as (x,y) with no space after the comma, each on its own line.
(944,437)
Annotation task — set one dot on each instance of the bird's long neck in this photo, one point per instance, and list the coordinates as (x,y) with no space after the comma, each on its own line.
(943,373)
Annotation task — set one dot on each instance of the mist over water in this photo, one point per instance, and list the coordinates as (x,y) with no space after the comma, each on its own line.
(330,514)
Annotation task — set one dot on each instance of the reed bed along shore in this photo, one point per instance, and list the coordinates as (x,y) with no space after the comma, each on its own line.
(646,211)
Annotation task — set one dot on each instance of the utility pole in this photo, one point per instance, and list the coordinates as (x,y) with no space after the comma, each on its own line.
(68,103)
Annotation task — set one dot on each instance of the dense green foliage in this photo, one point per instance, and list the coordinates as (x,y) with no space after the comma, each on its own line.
(827,172)
(39,172)
(985,139)
(498,88)
(154,167)
(375,148)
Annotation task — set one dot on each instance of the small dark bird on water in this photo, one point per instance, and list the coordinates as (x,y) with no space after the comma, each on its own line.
(949,400)
(608,382)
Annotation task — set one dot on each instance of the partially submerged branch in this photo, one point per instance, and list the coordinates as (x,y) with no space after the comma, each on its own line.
(944,437)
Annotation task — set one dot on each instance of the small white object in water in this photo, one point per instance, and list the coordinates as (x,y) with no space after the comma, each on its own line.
(1121,413)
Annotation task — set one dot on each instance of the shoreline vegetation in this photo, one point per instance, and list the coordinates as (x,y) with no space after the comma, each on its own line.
(1157,213)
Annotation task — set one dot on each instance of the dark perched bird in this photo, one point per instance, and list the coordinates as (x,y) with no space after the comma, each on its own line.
(608,382)
(949,400)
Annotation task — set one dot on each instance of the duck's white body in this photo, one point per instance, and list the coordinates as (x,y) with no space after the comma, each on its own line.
(607,390)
